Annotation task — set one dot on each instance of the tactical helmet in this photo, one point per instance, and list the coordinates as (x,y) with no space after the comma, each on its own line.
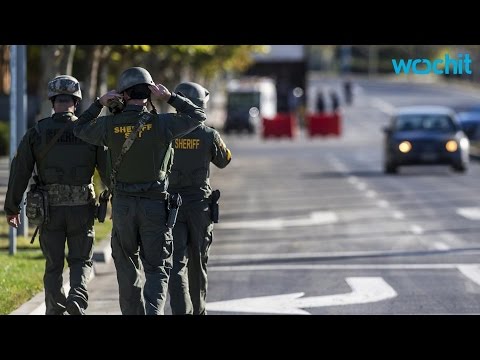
(64,84)
(133,76)
(194,92)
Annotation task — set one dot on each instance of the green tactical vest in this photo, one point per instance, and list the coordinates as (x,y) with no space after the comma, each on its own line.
(191,168)
(148,160)
(70,161)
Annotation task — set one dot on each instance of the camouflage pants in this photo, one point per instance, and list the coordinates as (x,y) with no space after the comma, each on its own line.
(192,237)
(75,225)
(141,240)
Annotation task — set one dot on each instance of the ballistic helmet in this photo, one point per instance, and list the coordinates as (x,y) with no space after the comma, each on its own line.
(64,84)
(194,92)
(134,76)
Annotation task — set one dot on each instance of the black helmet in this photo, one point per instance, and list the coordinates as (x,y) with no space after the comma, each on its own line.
(194,92)
(134,76)
(64,84)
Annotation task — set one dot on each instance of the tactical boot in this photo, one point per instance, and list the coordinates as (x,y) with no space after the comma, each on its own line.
(74,309)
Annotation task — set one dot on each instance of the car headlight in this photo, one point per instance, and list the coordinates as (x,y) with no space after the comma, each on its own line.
(405,147)
(451,146)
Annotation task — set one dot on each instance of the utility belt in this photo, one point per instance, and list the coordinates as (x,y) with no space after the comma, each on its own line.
(69,195)
(41,197)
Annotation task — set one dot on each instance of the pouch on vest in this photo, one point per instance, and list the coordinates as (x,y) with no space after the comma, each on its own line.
(36,207)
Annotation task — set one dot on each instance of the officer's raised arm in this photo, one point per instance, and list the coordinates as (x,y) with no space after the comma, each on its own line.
(221,155)
(87,127)
(189,115)
(101,165)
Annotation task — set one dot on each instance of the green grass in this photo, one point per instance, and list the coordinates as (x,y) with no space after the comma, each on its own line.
(102,230)
(4,137)
(21,277)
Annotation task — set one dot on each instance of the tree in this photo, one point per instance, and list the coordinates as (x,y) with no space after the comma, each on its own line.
(98,67)
(55,60)
(4,69)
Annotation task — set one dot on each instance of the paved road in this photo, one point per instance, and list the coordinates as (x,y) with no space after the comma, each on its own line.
(317,219)
(315,227)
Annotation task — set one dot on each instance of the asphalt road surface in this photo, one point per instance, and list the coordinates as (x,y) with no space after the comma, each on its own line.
(314,226)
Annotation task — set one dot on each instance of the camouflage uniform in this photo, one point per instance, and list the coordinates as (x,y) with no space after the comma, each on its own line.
(139,209)
(66,173)
(193,232)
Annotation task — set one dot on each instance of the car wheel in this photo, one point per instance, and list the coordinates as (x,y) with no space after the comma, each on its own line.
(390,168)
(460,168)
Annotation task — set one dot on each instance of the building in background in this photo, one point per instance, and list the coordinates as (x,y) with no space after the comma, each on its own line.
(287,66)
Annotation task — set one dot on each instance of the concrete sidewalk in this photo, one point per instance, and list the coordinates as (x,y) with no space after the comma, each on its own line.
(102,288)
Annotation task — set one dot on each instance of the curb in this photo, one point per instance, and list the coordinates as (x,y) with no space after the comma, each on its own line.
(36,305)
(103,251)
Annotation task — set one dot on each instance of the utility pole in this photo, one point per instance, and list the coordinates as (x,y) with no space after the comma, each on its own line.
(12,235)
(22,119)
(18,124)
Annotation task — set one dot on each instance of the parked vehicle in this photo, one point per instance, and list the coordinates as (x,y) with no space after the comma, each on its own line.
(248,100)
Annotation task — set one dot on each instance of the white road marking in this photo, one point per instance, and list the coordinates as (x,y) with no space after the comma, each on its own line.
(471,213)
(398,215)
(371,194)
(337,164)
(382,105)
(440,246)
(364,290)
(471,271)
(339,267)
(315,218)
(361,186)
(416,229)
(383,204)
(325,254)
(352,179)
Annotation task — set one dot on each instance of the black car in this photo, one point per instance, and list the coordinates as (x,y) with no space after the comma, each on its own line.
(469,121)
(421,135)
(469,118)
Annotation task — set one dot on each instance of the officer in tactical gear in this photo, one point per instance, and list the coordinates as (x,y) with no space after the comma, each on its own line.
(139,185)
(64,167)
(193,231)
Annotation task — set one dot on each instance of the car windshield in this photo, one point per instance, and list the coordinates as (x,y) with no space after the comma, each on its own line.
(424,122)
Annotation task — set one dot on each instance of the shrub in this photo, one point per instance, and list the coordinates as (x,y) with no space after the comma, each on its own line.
(4,138)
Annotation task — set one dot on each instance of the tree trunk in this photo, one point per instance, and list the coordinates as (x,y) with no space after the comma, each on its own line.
(4,70)
(66,61)
(98,55)
(49,58)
